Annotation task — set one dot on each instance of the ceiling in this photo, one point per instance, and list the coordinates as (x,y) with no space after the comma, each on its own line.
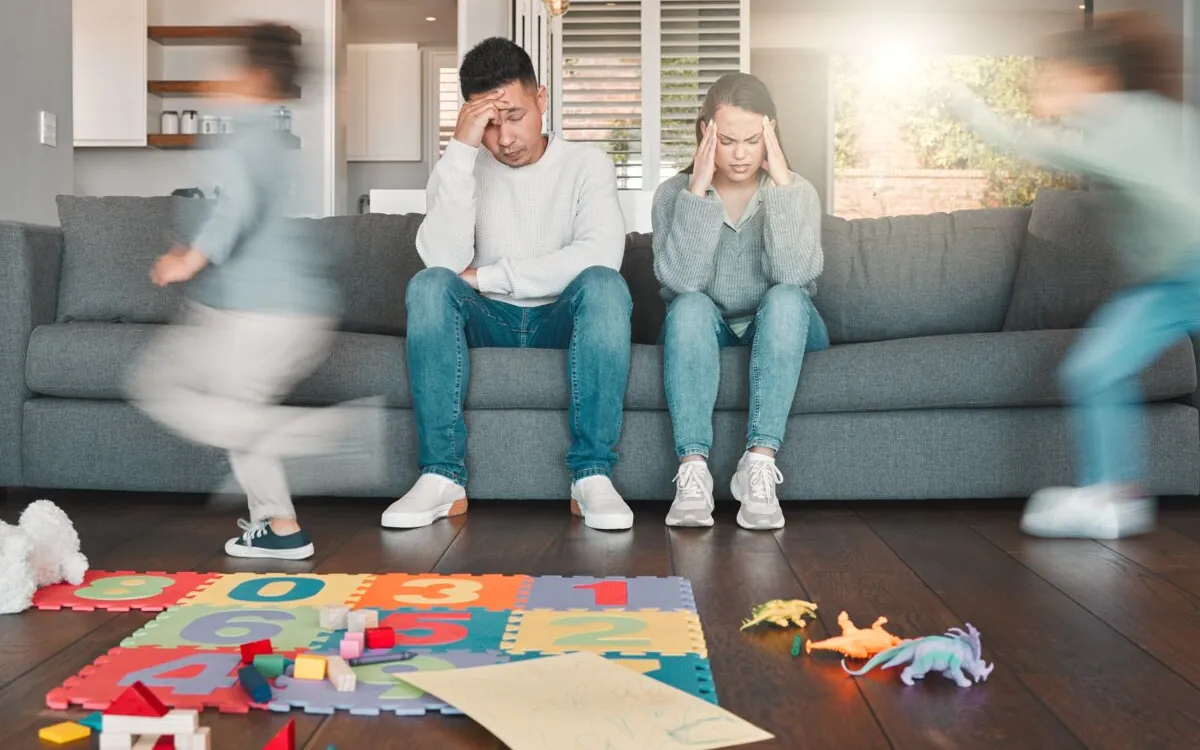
(904,6)
(402,21)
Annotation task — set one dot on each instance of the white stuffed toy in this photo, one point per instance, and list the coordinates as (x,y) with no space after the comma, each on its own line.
(41,550)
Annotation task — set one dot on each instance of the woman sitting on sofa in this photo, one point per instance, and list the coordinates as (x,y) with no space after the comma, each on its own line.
(737,248)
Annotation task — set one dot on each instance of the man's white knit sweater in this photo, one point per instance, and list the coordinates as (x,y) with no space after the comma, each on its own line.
(528,230)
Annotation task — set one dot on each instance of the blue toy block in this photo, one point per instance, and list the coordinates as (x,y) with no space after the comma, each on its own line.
(94,722)
(255,685)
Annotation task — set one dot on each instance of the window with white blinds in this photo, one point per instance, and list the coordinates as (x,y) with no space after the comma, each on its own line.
(602,81)
(608,62)
(447,108)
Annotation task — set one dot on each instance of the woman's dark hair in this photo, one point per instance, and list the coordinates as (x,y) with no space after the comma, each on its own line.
(493,63)
(740,90)
(1144,55)
(271,47)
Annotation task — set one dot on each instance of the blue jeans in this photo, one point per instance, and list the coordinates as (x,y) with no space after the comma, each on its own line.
(1100,375)
(784,328)
(590,320)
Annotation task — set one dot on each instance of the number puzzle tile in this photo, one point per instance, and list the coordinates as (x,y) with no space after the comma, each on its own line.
(691,673)
(378,690)
(436,629)
(180,677)
(494,592)
(121,591)
(204,626)
(281,591)
(603,594)
(615,631)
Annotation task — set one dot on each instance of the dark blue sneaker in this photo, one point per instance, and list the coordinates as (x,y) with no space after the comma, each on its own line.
(258,540)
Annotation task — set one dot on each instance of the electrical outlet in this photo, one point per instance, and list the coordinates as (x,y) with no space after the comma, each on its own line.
(49,129)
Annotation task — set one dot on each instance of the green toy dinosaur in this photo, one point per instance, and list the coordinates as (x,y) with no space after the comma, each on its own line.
(949,654)
(781,612)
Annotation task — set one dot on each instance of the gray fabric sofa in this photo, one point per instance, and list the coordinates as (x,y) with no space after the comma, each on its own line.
(947,331)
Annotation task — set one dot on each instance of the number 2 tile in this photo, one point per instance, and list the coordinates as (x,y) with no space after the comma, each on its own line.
(615,631)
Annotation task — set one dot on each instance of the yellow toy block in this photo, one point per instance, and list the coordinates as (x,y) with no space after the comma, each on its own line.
(309,667)
(61,734)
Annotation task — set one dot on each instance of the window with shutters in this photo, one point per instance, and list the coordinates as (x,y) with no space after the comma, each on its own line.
(634,73)
(442,101)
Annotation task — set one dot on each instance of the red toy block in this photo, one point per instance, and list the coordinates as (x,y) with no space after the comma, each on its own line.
(381,638)
(285,740)
(165,743)
(137,701)
(255,648)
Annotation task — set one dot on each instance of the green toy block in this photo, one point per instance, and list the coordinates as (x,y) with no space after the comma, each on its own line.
(94,722)
(270,665)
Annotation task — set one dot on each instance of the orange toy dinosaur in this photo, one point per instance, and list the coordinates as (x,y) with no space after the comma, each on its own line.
(855,643)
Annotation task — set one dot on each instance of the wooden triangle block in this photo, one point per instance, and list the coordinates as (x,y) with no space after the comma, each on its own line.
(165,743)
(137,701)
(285,740)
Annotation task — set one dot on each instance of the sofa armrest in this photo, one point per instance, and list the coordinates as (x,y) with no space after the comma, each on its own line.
(30,258)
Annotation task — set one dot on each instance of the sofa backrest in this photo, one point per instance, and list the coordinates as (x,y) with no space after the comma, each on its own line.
(884,278)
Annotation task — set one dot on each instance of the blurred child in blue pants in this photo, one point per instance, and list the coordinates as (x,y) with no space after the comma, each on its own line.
(1119,86)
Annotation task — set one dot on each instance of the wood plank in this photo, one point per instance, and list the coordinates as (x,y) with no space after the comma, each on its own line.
(1109,693)
(844,564)
(208,35)
(802,703)
(507,538)
(1158,616)
(204,88)
(181,141)
(1170,554)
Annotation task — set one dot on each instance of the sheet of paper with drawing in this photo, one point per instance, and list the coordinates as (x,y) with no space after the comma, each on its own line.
(583,701)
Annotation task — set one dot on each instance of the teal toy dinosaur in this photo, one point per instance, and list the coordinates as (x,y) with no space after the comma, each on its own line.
(949,654)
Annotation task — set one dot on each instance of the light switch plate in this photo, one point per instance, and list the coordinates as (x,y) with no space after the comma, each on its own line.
(48,129)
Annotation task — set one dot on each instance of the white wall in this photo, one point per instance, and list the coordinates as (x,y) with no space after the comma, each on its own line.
(35,75)
(150,172)
(480,19)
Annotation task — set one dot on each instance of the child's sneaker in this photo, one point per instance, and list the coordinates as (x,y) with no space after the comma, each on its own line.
(259,540)
(1098,512)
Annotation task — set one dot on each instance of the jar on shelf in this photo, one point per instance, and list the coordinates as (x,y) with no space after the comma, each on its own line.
(210,125)
(169,122)
(226,125)
(189,122)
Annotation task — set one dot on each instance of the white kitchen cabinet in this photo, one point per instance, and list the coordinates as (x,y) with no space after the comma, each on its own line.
(109,79)
(383,83)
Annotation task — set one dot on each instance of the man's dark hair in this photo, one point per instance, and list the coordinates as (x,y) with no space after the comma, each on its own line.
(493,63)
(270,47)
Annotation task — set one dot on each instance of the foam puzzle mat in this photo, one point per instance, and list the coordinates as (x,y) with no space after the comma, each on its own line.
(189,654)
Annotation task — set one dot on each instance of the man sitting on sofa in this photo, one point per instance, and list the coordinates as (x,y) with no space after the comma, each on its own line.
(522,244)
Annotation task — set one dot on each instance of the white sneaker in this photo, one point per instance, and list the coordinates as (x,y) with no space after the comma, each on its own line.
(600,505)
(1097,512)
(753,486)
(693,505)
(431,498)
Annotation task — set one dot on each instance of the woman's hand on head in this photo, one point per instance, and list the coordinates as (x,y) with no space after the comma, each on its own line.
(704,165)
(774,162)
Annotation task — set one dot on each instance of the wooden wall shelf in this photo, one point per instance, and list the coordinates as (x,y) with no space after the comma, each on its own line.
(201,88)
(167,142)
(207,35)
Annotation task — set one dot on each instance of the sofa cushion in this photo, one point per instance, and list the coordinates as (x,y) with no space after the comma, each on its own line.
(109,246)
(913,276)
(972,370)
(1069,262)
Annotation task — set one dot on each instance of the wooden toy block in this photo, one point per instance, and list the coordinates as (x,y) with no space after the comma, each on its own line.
(254,684)
(381,638)
(309,667)
(360,638)
(94,722)
(351,648)
(340,674)
(114,741)
(201,740)
(151,742)
(69,731)
(359,620)
(253,649)
(137,700)
(165,743)
(285,740)
(333,616)
(271,665)
(178,721)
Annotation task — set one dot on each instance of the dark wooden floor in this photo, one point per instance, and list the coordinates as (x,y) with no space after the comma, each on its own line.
(1095,645)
